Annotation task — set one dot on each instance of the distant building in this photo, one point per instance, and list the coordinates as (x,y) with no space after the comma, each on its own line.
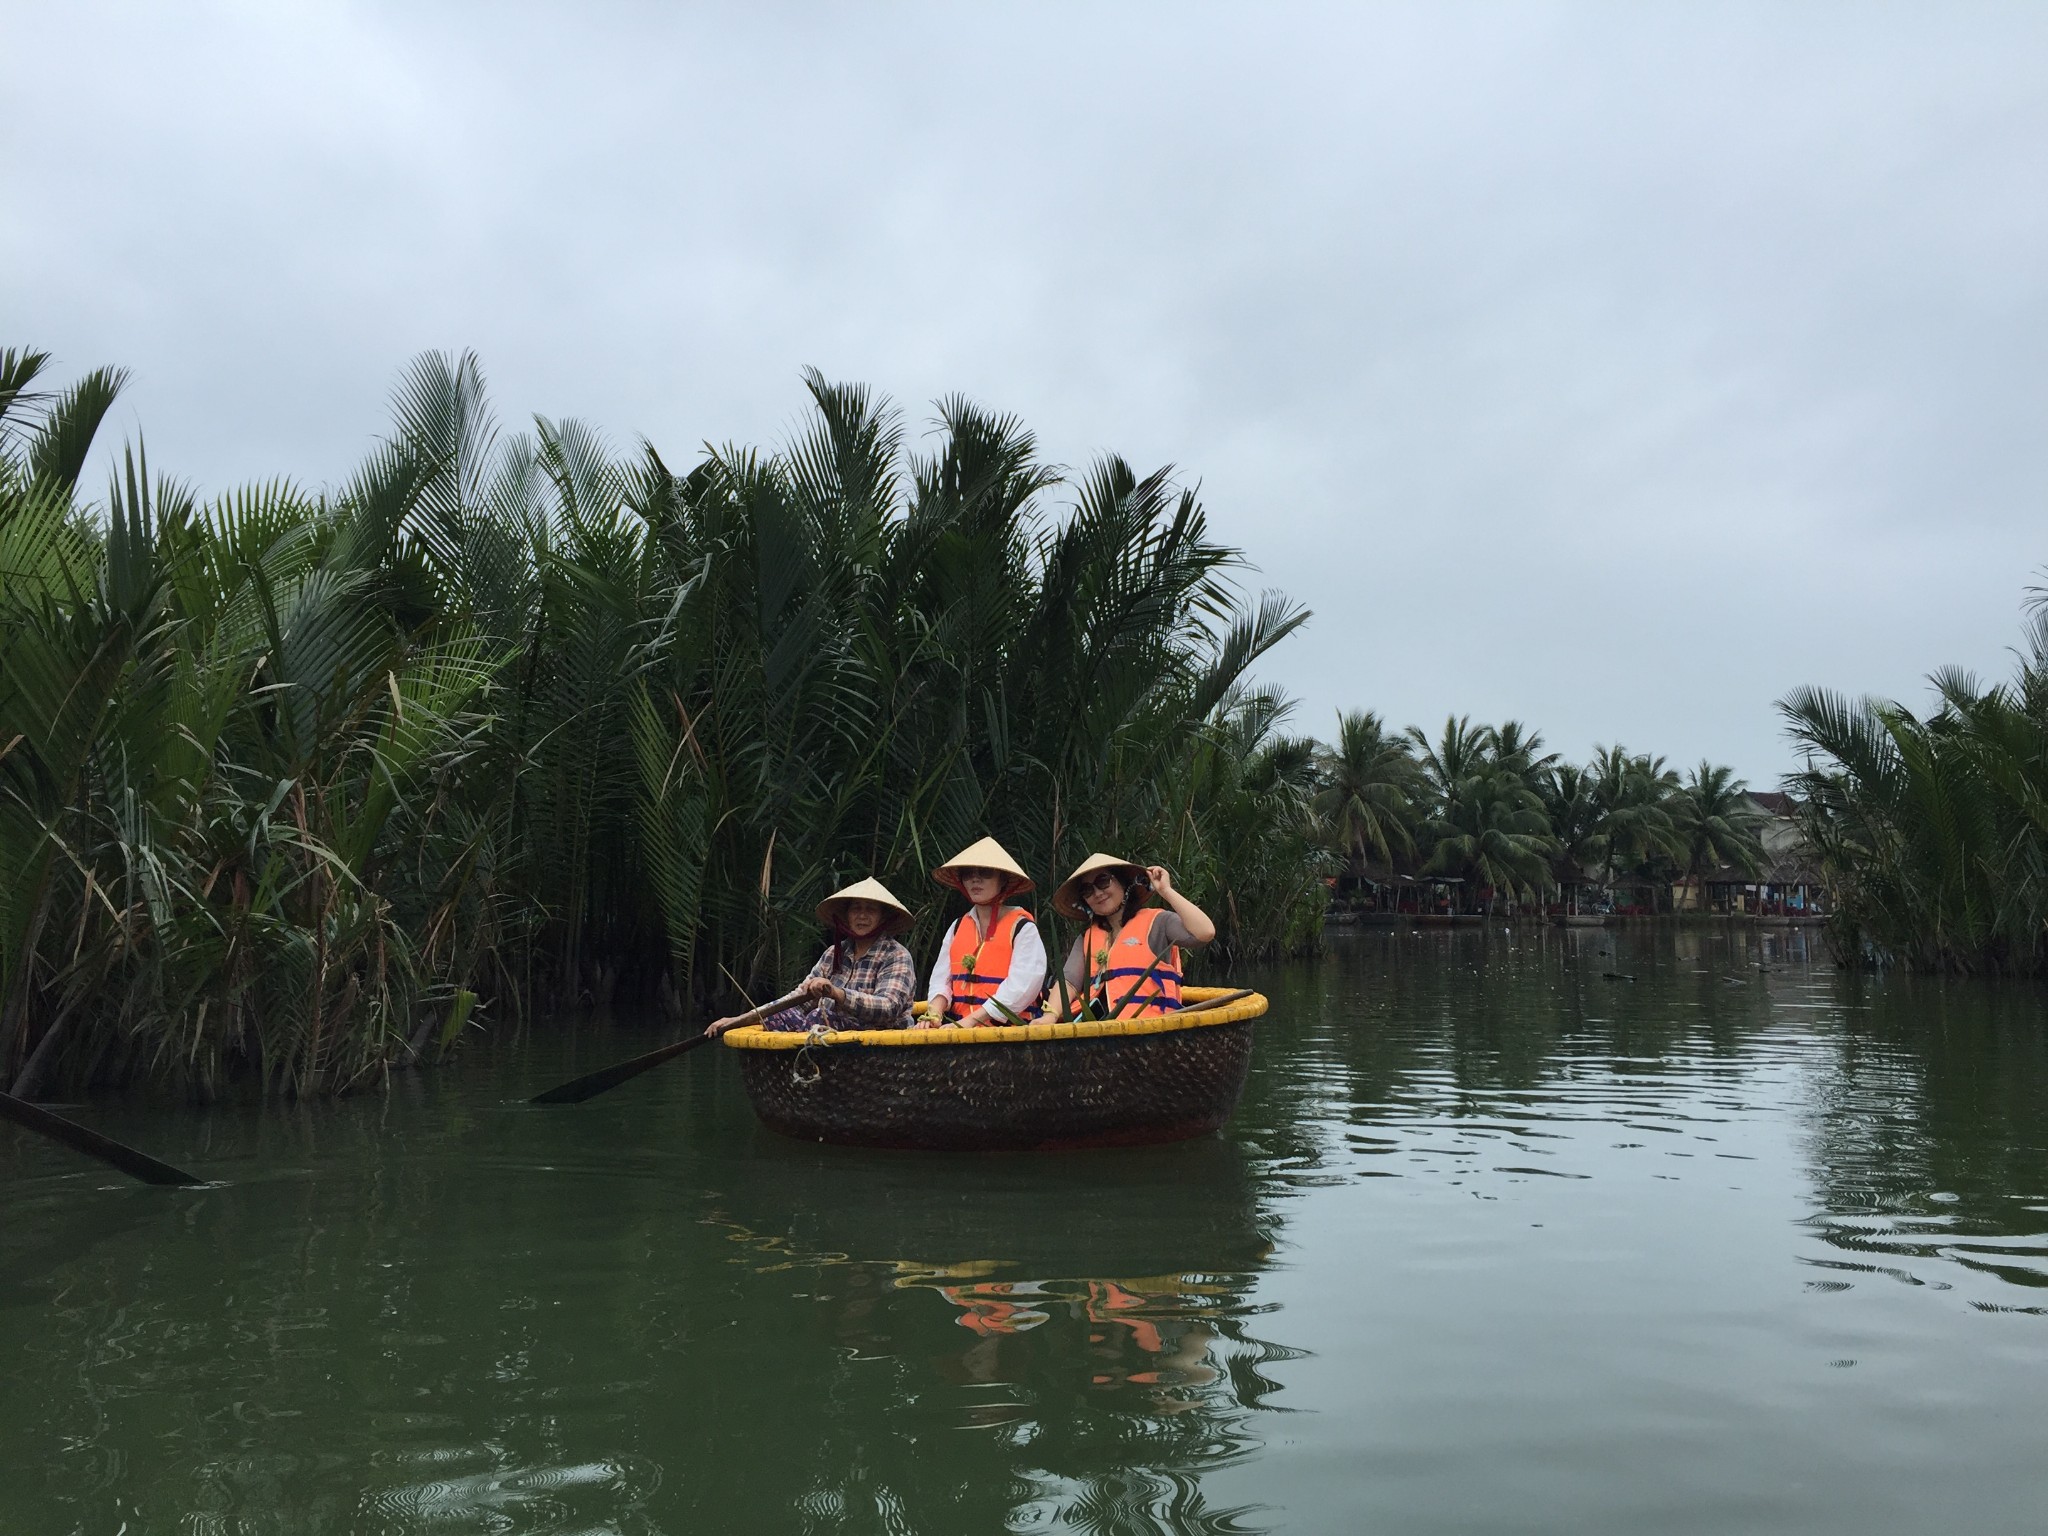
(1789,885)
(1369,888)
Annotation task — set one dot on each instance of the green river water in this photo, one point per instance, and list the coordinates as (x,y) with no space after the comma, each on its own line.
(1493,1244)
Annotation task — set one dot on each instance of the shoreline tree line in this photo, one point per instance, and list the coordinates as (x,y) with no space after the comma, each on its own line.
(1485,806)
(296,786)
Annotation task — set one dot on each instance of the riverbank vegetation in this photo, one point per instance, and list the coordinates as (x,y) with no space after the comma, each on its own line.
(1486,808)
(296,784)
(1934,831)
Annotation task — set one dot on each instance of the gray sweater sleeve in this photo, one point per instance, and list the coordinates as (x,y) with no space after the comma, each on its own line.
(1167,931)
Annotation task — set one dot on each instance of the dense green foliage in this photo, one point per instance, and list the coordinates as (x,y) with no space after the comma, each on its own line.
(1934,832)
(299,785)
(1486,806)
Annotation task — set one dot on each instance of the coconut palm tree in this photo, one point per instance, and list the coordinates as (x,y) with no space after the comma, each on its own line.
(1631,797)
(1490,831)
(1716,823)
(1484,815)
(1518,750)
(1368,778)
(1461,751)
(1574,816)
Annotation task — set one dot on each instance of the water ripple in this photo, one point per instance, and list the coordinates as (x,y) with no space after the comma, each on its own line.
(501,1495)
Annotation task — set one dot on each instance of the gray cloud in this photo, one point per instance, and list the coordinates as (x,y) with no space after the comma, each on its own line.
(1616,367)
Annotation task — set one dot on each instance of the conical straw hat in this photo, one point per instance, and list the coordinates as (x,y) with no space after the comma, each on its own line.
(896,917)
(1068,897)
(986,854)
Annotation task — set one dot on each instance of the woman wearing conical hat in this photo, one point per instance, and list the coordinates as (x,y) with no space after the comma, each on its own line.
(1126,963)
(993,957)
(866,979)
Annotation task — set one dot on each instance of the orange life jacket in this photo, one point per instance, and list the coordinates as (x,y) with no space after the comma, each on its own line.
(1117,965)
(977,966)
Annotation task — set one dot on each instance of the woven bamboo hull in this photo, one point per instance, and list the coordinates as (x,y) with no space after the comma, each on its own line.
(1025,1095)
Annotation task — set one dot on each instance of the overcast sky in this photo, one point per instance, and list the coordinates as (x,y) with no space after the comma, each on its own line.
(1616,367)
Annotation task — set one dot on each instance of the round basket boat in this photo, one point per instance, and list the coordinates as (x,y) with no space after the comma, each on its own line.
(1026,1087)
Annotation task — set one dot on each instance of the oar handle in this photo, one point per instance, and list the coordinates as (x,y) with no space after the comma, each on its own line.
(1213,1002)
(765,1011)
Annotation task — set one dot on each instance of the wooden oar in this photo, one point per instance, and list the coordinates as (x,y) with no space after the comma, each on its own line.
(1202,1007)
(139,1165)
(599,1082)
(1214,1002)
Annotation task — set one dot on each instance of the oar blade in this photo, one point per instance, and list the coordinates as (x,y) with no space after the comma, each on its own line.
(137,1165)
(590,1086)
(610,1077)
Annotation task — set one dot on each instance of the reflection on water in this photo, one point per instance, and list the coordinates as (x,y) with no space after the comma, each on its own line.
(1081,1328)
(1529,1229)
(1930,1139)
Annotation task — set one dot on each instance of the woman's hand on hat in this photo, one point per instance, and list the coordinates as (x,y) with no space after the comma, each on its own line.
(1161,878)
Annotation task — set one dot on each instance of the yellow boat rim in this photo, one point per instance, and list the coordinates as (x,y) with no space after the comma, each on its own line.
(755,1038)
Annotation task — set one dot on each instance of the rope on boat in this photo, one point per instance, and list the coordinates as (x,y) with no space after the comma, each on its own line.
(804,1071)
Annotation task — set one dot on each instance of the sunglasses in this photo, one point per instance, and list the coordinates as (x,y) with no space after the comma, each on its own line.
(1096,884)
(981,874)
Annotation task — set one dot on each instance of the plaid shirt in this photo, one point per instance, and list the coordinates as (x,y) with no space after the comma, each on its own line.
(878,986)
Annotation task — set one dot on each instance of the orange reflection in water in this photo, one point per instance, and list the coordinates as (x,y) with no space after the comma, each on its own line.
(1147,1332)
